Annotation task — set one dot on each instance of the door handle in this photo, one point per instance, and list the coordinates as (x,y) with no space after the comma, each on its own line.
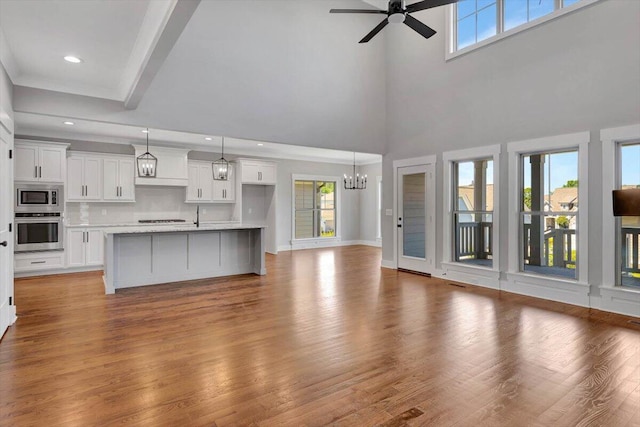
(5,243)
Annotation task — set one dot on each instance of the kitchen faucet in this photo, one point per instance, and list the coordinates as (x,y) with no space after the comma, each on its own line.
(197,221)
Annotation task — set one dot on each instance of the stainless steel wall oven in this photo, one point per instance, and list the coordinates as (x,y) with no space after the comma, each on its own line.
(38,231)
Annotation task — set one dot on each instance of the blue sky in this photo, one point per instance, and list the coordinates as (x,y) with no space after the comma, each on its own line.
(630,163)
(564,167)
(477,18)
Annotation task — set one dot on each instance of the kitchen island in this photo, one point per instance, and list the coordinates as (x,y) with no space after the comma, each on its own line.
(139,256)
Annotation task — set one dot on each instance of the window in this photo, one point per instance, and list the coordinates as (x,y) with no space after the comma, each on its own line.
(548,213)
(477,20)
(473,212)
(628,159)
(315,209)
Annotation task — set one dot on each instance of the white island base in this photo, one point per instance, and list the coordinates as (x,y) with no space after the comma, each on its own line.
(139,257)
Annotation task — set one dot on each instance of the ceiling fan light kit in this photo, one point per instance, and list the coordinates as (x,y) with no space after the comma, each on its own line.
(398,13)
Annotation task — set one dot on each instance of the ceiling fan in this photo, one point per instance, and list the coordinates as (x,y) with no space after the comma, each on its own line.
(397,13)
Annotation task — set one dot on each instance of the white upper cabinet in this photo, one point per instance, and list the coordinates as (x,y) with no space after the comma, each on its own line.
(40,162)
(83,178)
(118,179)
(225,191)
(97,177)
(200,184)
(258,172)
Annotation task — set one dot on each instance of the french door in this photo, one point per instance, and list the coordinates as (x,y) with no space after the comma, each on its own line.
(415,219)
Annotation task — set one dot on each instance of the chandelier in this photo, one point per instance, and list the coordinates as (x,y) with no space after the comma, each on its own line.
(359,183)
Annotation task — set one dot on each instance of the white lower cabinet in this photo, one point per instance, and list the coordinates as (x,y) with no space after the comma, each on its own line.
(84,247)
(33,261)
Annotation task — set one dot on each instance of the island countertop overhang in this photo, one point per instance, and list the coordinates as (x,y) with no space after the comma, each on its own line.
(180,228)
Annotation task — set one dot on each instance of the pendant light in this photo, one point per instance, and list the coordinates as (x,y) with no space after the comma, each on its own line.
(221,167)
(359,183)
(147,162)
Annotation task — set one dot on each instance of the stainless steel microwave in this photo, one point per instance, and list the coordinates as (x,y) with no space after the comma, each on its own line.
(39,198)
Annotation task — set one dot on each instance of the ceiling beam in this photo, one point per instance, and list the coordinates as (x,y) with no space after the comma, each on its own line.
(163,23)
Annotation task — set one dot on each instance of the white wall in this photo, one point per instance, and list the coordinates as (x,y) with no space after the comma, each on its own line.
(579,72)
(369,203)
(6,91)
(352,212)
(279,71)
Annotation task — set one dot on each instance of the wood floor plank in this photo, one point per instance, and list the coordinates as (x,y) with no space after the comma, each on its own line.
(327,337)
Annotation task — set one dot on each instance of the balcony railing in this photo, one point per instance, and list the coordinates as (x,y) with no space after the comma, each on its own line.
(559,249)
(630,251)
(475,240)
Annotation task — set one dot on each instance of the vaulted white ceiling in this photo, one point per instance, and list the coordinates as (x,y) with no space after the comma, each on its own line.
(280,71)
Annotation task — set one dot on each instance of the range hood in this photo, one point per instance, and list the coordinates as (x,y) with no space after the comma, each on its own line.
(172,167)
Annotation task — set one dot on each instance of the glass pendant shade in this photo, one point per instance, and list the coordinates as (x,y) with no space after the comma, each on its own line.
(147,163)
(355,181)
(221,167)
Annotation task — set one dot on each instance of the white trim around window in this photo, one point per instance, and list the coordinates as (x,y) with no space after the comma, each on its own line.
(450,28)
(483,276)
(614,298)
(548,287)
(316,242)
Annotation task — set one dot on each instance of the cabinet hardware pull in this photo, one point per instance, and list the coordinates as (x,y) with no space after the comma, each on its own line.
(40,169)
(36,172)
(38,262)
(87,237)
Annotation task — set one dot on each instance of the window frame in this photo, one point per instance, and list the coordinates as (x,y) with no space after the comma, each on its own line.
(337,206)
(618,299)
(489,276)
(552,287)
(451,32)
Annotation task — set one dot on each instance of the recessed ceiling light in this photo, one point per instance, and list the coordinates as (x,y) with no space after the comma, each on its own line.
(145,130)
(208,138)
(260,144)
(69,123)
(72,59)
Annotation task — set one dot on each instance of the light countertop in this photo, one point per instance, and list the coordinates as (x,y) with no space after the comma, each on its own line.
(137,224)
(181,228)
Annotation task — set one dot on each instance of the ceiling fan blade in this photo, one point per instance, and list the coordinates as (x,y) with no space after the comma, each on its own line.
(376,11)
(427,4)
(375,31)
(424,30)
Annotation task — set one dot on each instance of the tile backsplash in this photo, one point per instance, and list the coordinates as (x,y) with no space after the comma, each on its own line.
(151,203)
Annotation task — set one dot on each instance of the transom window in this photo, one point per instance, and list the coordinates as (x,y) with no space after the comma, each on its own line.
(478,20)
(548,213)
(315,209)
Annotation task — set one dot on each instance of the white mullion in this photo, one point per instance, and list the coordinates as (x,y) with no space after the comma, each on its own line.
(499,16)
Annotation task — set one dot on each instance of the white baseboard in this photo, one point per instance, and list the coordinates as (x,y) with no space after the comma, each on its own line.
(388,264)
(479,276)
(312,244)
(547,288)
(620,300)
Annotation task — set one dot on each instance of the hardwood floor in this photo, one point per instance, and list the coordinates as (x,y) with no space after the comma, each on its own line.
(326,338)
